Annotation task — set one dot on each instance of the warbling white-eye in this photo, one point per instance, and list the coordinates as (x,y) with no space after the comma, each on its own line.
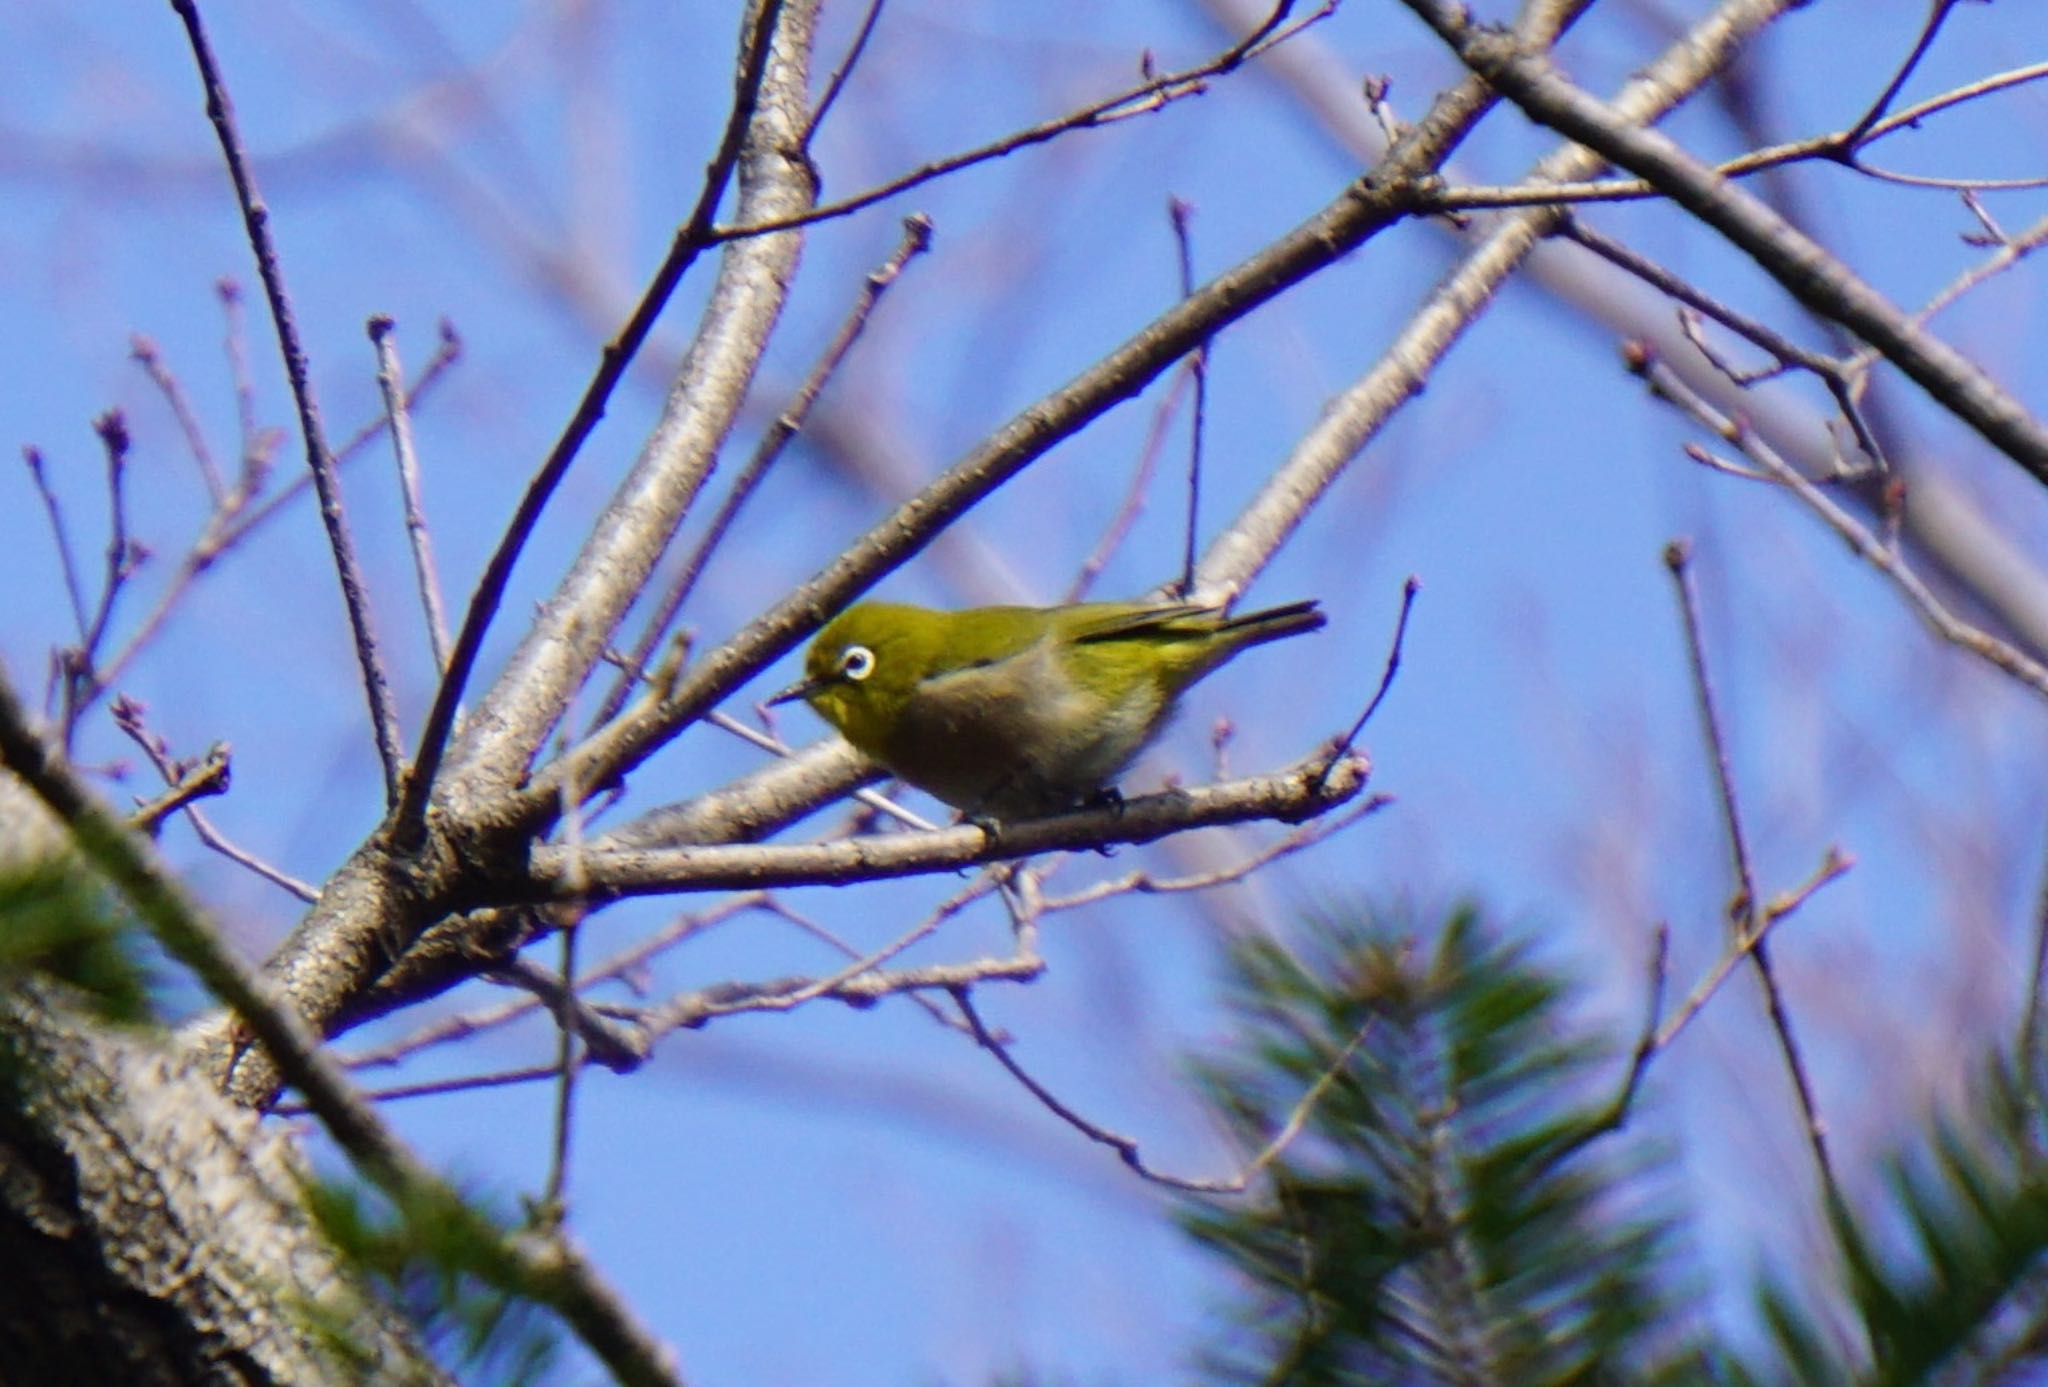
(1013,712)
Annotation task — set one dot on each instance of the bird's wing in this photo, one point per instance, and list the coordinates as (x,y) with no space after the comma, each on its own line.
(1116,623)
(992,672)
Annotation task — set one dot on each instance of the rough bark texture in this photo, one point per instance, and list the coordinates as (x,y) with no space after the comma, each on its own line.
(151,1232)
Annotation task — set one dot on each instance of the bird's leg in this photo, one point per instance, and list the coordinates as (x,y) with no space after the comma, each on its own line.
(1111,798)
(977,817)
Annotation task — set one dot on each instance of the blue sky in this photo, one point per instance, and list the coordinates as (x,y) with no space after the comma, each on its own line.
(859,1197)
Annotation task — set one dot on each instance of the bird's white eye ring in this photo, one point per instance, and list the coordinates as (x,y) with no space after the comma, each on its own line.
(857,662)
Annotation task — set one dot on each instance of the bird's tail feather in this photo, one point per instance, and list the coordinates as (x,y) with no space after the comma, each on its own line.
(1274,623)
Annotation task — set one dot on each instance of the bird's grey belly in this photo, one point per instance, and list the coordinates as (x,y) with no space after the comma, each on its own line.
(1015,748)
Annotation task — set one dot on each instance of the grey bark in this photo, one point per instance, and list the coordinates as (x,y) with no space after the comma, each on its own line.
(150,1230)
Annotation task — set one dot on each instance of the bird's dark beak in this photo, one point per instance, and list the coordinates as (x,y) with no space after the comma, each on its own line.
(802,688)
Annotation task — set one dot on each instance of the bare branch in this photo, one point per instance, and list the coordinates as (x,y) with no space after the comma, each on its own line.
(1835,146)
(1133,504)
(148,356)
(1355,416)
(1153,94)
(1292,796)
(201,779)
(1748,908)
(917,239)
(1144,883)
(1840,379)
(1937,14)
(836,83)
(1127,1148)
(1387,672)
(1880,555)
(391,384)
(559,650)
(256,222)
(74,587)
(128,717)
(1658,1033)
(1198,427)
(1816,279)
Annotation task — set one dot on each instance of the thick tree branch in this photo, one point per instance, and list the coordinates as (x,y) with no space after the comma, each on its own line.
(559,650)
(1356,415)
(1291,796)
(1806,270)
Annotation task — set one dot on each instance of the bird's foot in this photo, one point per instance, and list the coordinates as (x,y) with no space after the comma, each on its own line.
(1111,799)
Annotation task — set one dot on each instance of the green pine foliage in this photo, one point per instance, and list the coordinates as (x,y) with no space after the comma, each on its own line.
(1946,1279)
(1464,1205)
(1446,1216)
(55,925)
(453,1286)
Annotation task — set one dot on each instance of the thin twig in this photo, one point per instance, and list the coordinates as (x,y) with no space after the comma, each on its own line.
(1646,1044)
(915,995)
(254,448)
(1882,556)
(1127,1148)
(873,799)
(87,675)
(1659,1032)
(1153,94)
(74,588)
(569,919)
(83,682)
(1409,589)
(391,384)
(1144,883)
(435,1088)
(1937,12)
(837,82)
(447,351)
(697,1008)
(1834,863)
(621,1049)
(1829,146)
(1126,517)
(1180,213)
(150,357)
(2011,250)
(128,717)
(463,1025)
(1748,909)
(200,779)
(1839,378)
(1951,183)
(256,222)
(121,558)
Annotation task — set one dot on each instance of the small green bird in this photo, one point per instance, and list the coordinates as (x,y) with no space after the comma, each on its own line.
(1014,712)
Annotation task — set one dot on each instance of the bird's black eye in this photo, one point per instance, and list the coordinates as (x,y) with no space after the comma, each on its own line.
(856,662)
